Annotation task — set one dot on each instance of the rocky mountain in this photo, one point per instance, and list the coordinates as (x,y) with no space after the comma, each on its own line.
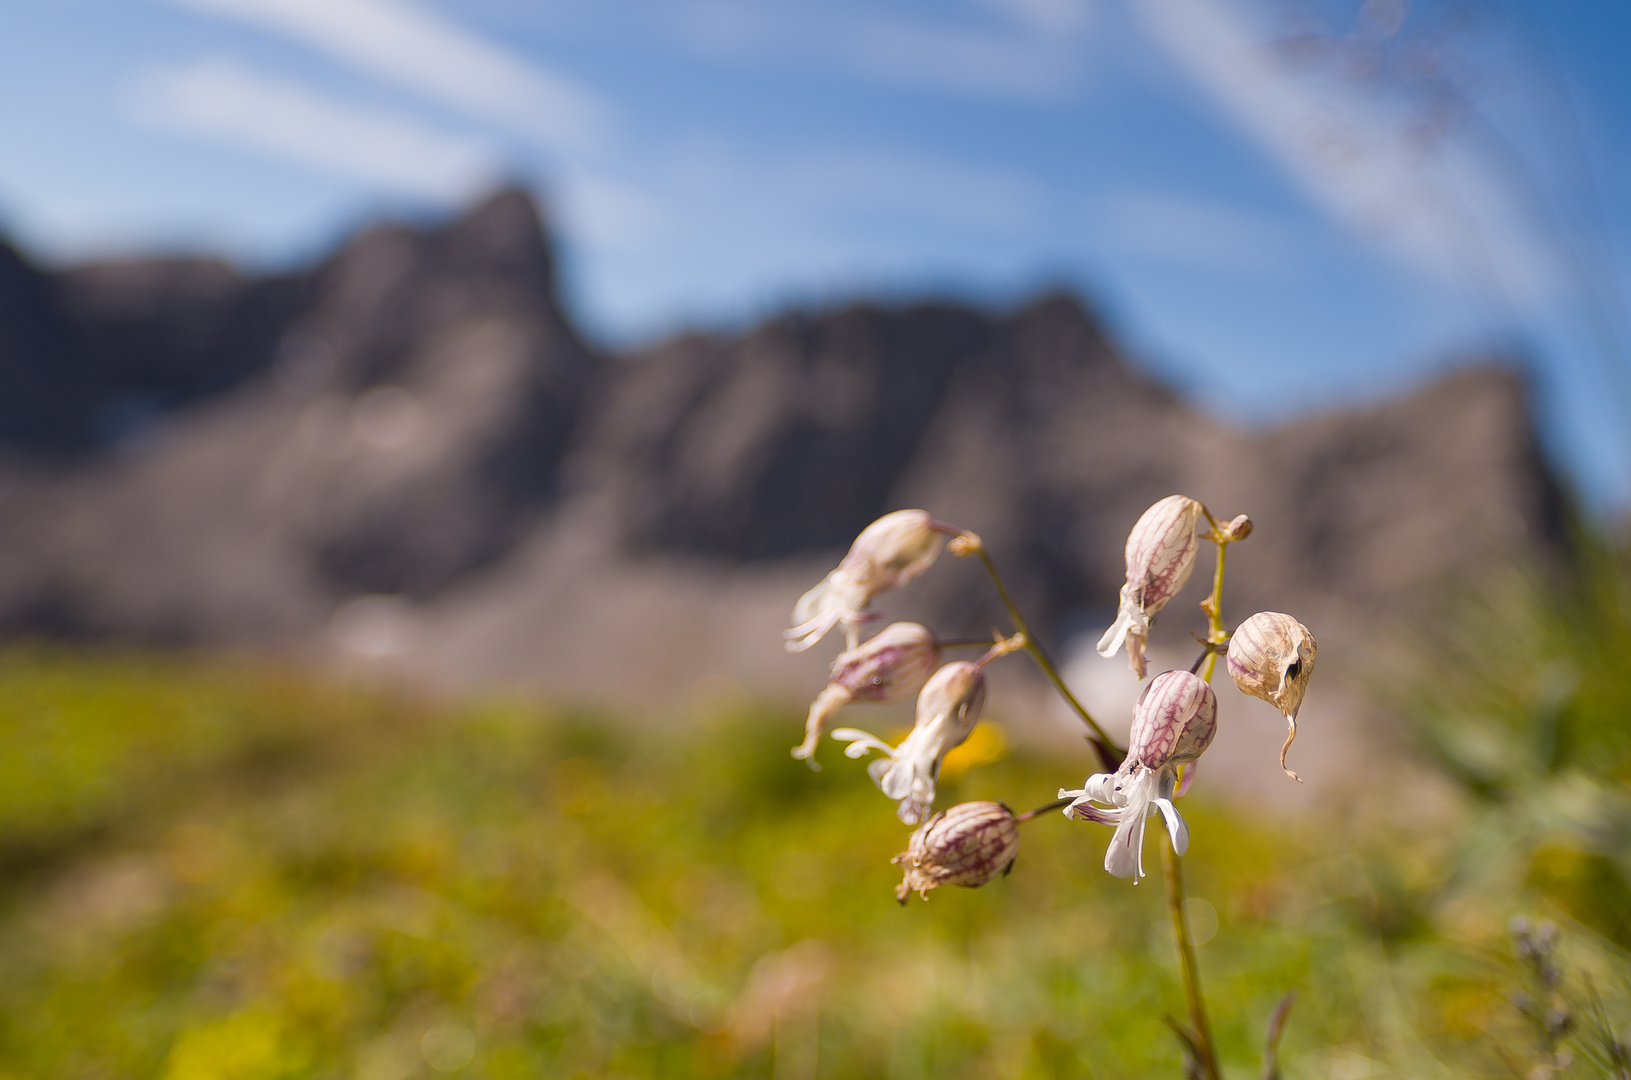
(406,454)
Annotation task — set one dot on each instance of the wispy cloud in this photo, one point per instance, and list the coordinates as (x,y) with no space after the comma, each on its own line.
(222,99)
(401,42)
(828,191)
(1441,209)
(1197,232)
(1027,49)
(943,57)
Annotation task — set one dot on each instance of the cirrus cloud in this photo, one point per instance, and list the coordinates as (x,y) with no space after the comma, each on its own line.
(222,99)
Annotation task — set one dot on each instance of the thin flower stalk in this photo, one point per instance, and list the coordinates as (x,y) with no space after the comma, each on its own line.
(1206,1050)
(1110,755)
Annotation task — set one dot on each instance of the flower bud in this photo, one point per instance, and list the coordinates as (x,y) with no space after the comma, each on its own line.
(1271,656)
(1176,717)
(967,845)
(1237,529)
(1160,557)
(890,666)
(889,552)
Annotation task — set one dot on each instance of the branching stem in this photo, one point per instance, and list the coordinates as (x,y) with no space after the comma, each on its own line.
(1110,754)
(1213,606)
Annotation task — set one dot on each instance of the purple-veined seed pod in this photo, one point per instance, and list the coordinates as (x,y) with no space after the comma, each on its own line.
(1271,656)
(890,666)
(1176,717)
(889,552)
(1160,557)
(967,845)
(895,549)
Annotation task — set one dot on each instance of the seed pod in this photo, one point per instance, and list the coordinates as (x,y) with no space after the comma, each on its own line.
(895,549)
(1271,656)
(967,845)
(1176,717)
(889,552)
(890,666)
(1160,557)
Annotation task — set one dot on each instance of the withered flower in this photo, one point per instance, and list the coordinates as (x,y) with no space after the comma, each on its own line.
(890,666)
(889,552)
(947,710)
(1173,724)
(1160,557)
(967,845)
(1271,656)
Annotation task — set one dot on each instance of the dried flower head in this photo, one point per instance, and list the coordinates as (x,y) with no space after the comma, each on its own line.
(889,552)
(1160,557)
(947,710)
(890,666)
(1271,656)
(1173,724)
(967,845)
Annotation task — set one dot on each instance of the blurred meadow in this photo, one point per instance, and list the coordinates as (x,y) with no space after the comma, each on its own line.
(219,868)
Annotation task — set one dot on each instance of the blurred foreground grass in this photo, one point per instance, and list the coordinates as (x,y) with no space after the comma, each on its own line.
(216,870)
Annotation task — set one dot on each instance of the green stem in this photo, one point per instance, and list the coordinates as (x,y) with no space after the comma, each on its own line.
(1213,606)
(1057,804)
(1173,867)
(1102,740)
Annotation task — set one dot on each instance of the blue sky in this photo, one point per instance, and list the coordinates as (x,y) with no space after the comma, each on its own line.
(1281,205)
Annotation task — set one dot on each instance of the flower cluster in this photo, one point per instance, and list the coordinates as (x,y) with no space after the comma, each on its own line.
(1269,656)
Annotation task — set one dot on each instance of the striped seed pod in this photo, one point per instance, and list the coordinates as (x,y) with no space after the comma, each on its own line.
(967,845)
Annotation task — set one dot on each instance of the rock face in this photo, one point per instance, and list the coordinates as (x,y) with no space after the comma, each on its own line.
(386,423)
(407,453)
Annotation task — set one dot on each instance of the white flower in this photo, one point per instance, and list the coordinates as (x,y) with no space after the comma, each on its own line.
(1160,557)
(889,552)
(947,710)
(1173,725)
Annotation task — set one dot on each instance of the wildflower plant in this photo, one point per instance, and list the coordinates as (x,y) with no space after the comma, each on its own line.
(1269,656)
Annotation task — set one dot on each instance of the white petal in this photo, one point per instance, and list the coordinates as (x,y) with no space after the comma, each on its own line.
(860,742)
(1083,810)
(1125,856)
(1099,786)
(1177,827)
(1113,637)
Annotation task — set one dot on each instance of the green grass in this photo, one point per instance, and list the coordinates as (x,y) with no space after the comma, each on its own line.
(227,870)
